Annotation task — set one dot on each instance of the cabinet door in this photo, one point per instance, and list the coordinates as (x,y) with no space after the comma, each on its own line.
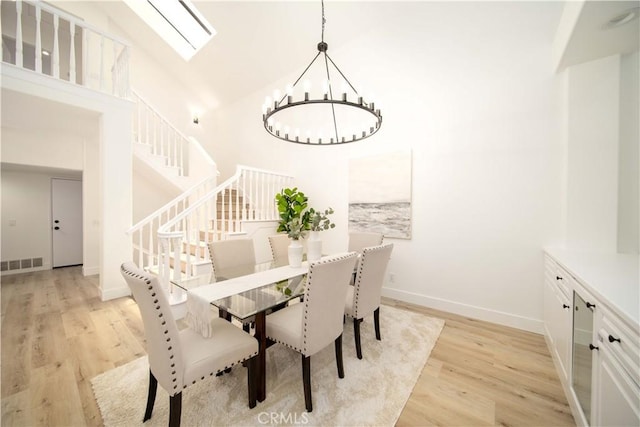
(618,397)
(557,322)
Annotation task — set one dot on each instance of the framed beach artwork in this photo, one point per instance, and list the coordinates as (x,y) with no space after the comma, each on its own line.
(380,194)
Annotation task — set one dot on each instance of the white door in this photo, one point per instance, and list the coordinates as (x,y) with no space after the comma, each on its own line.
(66,217)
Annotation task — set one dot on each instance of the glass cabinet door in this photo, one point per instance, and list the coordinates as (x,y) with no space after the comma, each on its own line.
(582,336)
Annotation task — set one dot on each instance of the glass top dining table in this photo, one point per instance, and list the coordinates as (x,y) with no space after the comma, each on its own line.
(253,304)
(245,305)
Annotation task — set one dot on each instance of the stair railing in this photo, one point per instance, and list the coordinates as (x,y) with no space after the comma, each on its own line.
(249,195)
(183,153)
(72,50)
(143,234)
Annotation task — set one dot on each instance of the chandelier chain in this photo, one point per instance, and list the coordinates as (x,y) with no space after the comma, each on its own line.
(323,22)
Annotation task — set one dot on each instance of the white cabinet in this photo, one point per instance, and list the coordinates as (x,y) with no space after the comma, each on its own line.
(608,291)
(557,316)
(617,373)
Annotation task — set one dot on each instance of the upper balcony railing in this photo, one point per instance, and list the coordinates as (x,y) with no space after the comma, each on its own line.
(44,39)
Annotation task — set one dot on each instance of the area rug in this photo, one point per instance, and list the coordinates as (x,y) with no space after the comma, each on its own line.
(373,392)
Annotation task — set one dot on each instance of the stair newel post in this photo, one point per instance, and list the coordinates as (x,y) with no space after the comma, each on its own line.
(186,226)
(243,208)
(164,266)
(176,242)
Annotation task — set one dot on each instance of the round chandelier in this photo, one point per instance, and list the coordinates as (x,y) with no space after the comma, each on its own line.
(324,120)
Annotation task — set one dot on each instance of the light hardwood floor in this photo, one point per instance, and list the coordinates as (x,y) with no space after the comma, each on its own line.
(57,335)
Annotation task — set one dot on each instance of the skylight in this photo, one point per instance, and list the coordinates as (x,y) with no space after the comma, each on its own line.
(178,22)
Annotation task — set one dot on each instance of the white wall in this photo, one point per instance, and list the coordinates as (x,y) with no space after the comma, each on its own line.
(107,189)
(470,89)
(26,215)
(629,156)
(602,155)
(63,150)
(593,104)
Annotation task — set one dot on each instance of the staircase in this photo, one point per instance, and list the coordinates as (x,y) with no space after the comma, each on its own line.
(177,233)
(246,197)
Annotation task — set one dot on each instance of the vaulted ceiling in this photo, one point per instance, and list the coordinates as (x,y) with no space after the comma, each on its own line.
(260,41)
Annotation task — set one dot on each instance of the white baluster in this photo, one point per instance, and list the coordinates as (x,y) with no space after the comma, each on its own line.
(85,56)
(38,51)
(19,61)
(56,49)
(72,52)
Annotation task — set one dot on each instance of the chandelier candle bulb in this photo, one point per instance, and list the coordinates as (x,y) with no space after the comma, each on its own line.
(344,97)
(372,106)
(359,100)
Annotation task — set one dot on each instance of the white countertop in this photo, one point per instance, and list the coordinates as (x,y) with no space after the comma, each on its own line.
(612,278)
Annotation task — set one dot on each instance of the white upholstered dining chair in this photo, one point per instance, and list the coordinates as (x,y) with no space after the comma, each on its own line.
(359,240)
(232,254)
(317,321)
(177,359)
(363,299)
(279,244)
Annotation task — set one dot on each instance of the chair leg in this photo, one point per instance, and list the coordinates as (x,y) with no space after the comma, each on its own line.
(338,345)
(252,381)
(356,335)
(376,322)
(151,397)
(175,410)
(306,379)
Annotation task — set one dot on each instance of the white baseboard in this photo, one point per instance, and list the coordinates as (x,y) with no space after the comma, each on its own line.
(110,294)
(480,313)
(90,271)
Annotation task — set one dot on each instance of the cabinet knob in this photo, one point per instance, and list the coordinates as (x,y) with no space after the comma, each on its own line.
(589,305)
(558,278)
(565,306)
(593,347)
(612,338)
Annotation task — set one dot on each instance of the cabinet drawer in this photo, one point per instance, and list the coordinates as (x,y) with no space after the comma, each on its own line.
(623,343)
(559,277)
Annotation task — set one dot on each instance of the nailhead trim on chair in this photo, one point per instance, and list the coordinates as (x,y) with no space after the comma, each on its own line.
(306,309)
(171,356)
(160,315)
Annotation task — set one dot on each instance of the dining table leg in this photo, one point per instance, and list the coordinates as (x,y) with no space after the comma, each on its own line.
(261,336)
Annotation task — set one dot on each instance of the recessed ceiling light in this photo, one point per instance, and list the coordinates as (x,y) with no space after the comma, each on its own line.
(623,18)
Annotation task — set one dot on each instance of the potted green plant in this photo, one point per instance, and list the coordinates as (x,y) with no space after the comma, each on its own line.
(318,221)
(294,220)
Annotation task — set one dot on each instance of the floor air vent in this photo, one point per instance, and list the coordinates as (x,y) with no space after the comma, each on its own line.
(19,264)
